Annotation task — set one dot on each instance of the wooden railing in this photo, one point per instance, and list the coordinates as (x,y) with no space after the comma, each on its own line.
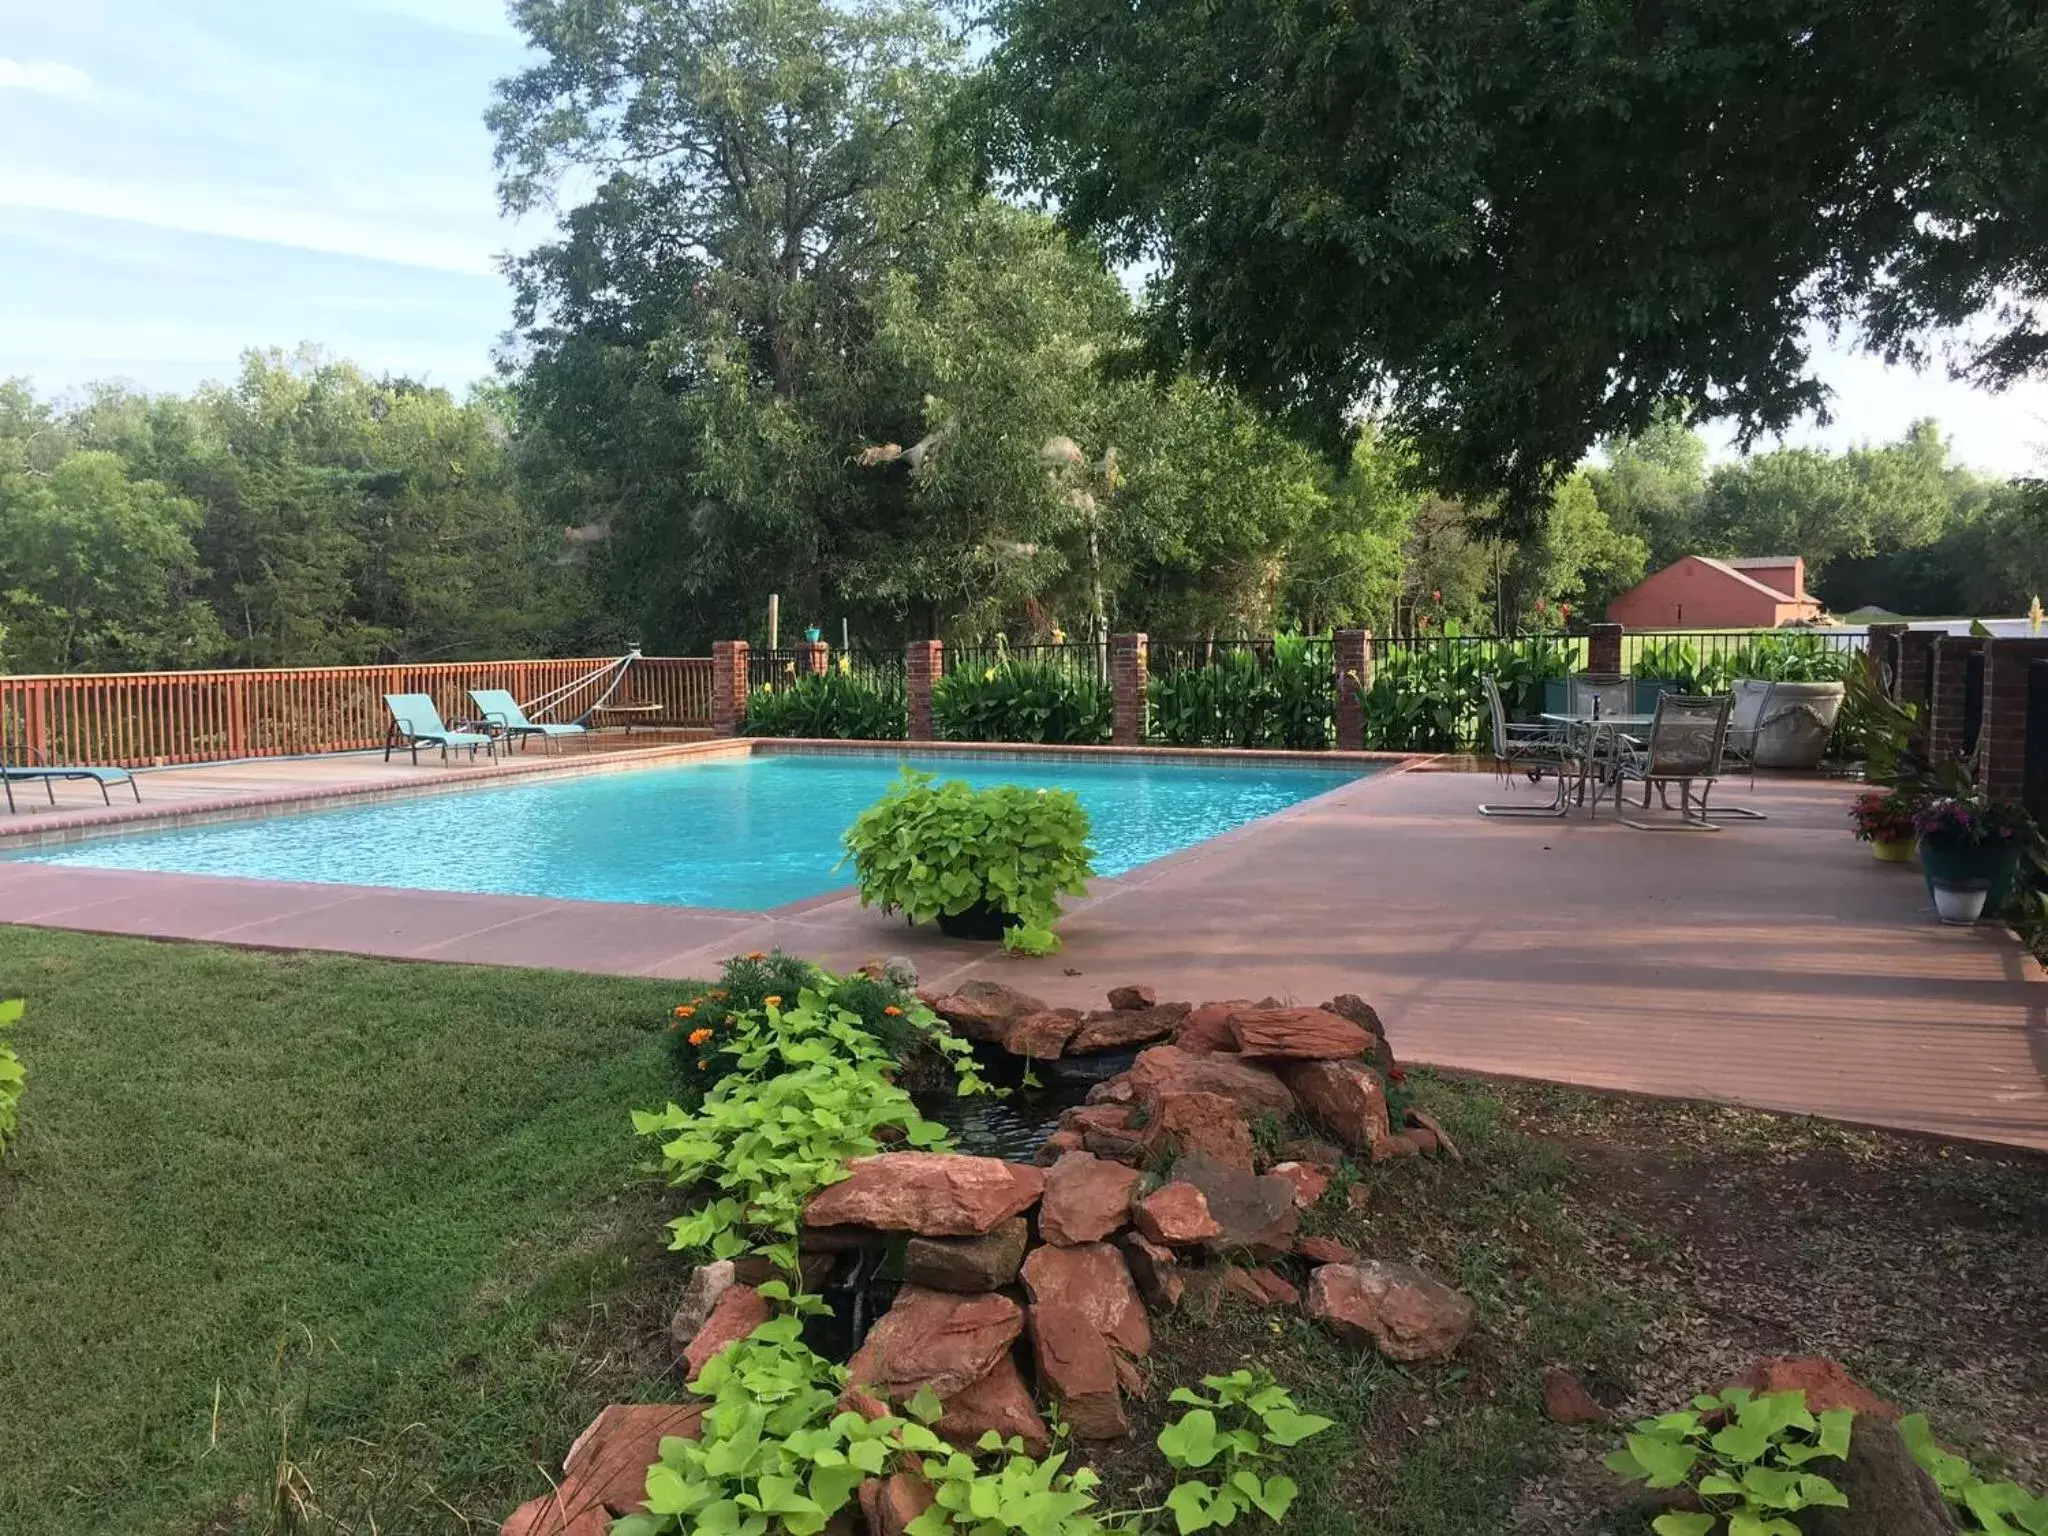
(140,719)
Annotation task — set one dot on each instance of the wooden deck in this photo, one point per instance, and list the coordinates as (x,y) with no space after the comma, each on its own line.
(1772,964)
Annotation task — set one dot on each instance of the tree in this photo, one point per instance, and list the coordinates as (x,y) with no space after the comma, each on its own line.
(1653,484)
(1521,227)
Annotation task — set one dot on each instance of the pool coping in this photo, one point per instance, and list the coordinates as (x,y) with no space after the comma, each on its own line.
(65,829)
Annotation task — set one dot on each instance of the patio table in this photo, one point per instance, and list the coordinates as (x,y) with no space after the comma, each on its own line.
(1593,730)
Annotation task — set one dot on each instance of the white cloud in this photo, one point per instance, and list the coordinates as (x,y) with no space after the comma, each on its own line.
(42,76)
(481,18)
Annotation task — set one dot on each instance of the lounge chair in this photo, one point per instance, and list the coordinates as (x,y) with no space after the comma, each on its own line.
(1686,746)
(1531,749)
(503,714)
(416,722)
(49,773)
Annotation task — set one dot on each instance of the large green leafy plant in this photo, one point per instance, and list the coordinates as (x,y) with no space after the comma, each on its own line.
(2004,1508)
(809,1088)
(1029,701)
(837,706)
(1282,695)
(710,1031)
(929,848)
(12,1072)
(1745,1455)
(1227,1433)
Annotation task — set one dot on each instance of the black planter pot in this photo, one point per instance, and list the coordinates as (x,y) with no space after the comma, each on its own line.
(980,921)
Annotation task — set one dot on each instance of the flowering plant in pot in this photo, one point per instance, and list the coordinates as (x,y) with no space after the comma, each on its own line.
(1970,848)
(1884,819)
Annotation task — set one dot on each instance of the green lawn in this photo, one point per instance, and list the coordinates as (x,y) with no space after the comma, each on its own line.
(310,1242)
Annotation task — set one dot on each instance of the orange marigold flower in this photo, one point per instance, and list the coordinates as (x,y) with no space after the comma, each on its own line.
(718,993)
(773,1000)
(684,1013)
(699,1036)
(893,1011)
(759,954)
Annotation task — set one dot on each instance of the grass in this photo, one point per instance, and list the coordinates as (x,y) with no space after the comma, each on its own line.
(307,1242)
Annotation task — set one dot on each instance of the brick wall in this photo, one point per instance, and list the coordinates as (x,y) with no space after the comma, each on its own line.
(813,657)
(1951,667)
(1914,684)
(924,662)
(1603,650)
(1127,681)
(2007,664)
(1351,659)
(728,687)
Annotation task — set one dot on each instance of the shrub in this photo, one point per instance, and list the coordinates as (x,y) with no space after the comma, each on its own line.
(12,1072)
(1744,1455)
(1957,822)
(2005,1509)
(1229,1434)
(928,849)
(1028,701)
(1430,697)
(838,706)
(901,1026)
(1248,698)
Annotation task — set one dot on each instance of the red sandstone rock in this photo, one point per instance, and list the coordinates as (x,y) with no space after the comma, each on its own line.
(568,1511)
(1113,1090)
(1409,1315)
(1260,1287)
(934,1194)
(935,1338)
(1131,999)
(1347,1097)
(1106,1130)
(1825,1384)
(1057,1146)
(1130,1376)
(1207,1028)
(1154,1270)
(737,1313)
(1257,1214)
(706,1284)
(609,1460)
(999,1401)
(983,1010)
(1310,1183)
(1410,1142)
(968,1266)
(1042,1035)
(889,1504)
(1093,1281)
(1348,1005)
(1176,1213)
(1167,1069)
(1077,1367)
(1297,1034)
(1086,1199)
(1322,1250)
(1121,1028)
(1566,1400)
(1199,1122)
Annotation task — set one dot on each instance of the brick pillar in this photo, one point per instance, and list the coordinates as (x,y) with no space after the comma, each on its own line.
(924,662)
(1603,650)
(2006,676)
(1881,645)
(1351,660)
(728,687)
(813,657)
(1945,720)
(1127,668)
(1915,682)
(2035,797)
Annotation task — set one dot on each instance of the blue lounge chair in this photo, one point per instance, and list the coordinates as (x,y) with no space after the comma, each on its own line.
(49,773)
(415,722)
(502,713)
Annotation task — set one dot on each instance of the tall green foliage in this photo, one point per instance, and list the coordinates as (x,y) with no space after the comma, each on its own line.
(12,1073)
(837,706)
(1023,701)
(1283,695)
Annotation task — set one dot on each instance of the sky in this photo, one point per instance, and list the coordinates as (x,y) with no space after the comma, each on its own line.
(183,179)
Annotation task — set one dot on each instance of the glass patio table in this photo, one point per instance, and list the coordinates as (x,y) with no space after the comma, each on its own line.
(1595,736)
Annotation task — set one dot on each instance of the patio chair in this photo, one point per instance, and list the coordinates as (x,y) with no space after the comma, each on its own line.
(1685,748)
(502,713)
(1616,695)
(416,722)
(1745,725)
(49,773)
(1530,749)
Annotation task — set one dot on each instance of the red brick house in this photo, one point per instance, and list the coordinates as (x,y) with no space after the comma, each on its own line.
(1702,593)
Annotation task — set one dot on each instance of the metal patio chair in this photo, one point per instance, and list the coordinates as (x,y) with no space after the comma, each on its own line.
(1685,748)
(1531,749)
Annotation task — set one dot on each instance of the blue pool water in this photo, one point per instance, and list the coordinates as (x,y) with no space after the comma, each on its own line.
(746,833)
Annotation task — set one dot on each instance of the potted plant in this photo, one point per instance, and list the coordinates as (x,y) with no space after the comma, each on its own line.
(1884,819)
(1970,851)
(983,863)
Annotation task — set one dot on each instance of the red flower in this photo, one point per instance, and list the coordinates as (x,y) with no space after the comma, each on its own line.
(1396,1075)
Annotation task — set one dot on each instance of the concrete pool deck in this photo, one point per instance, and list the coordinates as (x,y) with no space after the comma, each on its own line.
(1773,964)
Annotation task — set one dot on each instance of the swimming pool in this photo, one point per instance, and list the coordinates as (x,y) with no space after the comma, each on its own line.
(741,832)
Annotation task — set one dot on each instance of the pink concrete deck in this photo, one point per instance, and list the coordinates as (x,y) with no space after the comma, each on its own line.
(1773,964)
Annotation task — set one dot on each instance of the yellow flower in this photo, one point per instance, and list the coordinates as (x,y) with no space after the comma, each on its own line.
(988,675)
(845,666)
(773,1000)
(699,1036)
